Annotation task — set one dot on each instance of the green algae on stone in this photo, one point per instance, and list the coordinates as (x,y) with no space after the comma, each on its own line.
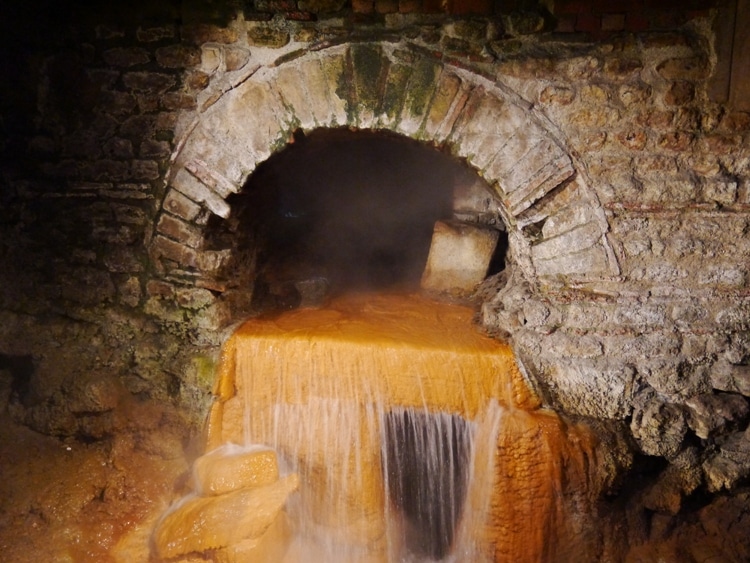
(368,63)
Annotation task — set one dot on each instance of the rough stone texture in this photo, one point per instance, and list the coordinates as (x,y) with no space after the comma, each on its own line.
(626,295)
(459,257)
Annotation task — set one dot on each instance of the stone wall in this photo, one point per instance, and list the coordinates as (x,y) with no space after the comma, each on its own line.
(124,132)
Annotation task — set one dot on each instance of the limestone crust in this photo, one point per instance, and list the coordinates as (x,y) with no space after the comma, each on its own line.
(202,523)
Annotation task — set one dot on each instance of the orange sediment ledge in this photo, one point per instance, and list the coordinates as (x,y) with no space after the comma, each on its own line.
(404,350)
(315,384)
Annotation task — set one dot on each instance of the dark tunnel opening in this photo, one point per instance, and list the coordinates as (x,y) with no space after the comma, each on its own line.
(347,210)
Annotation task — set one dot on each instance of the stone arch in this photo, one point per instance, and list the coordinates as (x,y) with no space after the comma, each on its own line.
(557,228)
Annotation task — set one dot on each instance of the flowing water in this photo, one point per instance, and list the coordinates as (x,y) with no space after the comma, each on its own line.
(415,437)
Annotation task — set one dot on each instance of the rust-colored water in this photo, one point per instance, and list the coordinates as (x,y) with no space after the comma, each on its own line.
(347,394)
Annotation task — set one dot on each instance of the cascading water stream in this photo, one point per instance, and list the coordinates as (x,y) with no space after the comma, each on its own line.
(414,437)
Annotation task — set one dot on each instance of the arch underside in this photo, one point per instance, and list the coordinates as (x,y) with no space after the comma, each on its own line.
(556,226)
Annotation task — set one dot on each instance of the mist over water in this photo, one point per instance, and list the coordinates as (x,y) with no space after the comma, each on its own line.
(355,207)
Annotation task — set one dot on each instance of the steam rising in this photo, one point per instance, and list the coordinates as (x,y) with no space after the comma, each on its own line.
(356,208)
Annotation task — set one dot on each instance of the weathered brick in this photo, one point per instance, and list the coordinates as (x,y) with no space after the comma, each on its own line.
(633,140)
(235,57)
(199,34)
(126,56)
(680,93)
(557,95)
(178,101)
(163,247)
(156,33)
(226,162)
(180,205)
(144,170)
(264,34)
(692,68)
(538,167)
(568,218)
(181,231)
(196,190)
(118,148)
(325,106)
(450,96)
(575,240)
(151,82)
(212,177)
(394,93)
(591,261)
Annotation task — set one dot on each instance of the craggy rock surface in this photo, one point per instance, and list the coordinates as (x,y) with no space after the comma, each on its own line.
(620,179)
(72,500)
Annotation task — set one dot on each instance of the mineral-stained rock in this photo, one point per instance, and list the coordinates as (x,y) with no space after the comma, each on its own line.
(731,464)
(202,523)
(270,546)
(459,257)
(711,413)
(658,427)
(679,479)
(730,377)
(231,467)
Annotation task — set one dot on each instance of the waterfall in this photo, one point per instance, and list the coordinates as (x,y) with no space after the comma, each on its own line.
(414,437)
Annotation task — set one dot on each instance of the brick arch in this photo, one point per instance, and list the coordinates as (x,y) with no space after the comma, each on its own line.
(556,226)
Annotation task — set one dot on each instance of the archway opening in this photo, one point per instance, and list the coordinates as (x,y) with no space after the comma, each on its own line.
(339,210)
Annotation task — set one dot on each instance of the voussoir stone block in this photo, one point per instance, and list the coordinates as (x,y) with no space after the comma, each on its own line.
(368,64)
(291,88)
(394,94)
(252,116)
(419,92)
(163,247)
(225,165)
(179,230)
(489,129)
(333,66)
(447,93)
(589,261)
(182,206)
(575,240)
(518,144)
(325,106)
(199,192)
(459,256)
(542,169)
